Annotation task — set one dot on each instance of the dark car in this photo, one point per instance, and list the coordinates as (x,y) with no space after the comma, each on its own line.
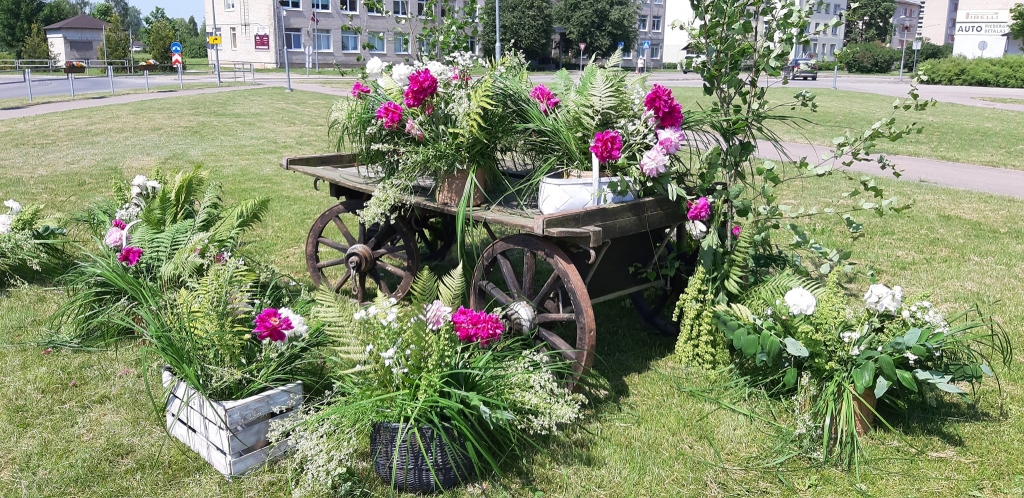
(801,68)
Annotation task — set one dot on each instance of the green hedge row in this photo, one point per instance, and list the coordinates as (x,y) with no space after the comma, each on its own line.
(1005,72)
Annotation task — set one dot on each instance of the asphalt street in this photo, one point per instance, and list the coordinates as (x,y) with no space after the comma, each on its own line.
(45,85)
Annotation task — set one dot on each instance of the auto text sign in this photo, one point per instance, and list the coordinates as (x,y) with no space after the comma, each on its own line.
(982,28)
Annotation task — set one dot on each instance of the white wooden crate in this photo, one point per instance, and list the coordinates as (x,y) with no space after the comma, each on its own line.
(230,435)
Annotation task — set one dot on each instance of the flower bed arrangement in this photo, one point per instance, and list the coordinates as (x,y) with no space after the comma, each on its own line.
(29,248)
(74,67)
(149,65)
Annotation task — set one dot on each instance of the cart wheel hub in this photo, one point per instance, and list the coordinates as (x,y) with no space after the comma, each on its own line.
(521,317)
(360,258)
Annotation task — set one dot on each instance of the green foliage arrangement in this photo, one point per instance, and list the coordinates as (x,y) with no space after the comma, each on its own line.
(1017,22)
(869,58)
(160,235)
(29,248)
(699,345)
(161,35)
(930,51)
(878,25)
(1003,72)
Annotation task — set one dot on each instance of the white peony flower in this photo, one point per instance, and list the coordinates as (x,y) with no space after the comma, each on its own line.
(5,223)
(697,229)
(882,299)
(375,66)
(800,301)
(14,205)
(299,327)
(400,74)
(440,71)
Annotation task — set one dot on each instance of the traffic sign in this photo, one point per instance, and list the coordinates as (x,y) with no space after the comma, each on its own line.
(582,46)
(309,50)
(622,44)
(176,60)
(917,44)
(214,40)
(647,44)
(175,48)
(982,45)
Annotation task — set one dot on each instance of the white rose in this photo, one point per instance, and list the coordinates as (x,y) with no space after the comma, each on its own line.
(5,223)
(14,205)
(800,301)
(882,299)
(400,74)
(697,229)
(375,66)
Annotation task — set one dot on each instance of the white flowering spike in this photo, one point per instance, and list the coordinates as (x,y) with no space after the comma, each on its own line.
(5,223)
(800,301)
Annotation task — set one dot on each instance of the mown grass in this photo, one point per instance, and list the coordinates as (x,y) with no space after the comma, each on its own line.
(81,423)
(23,102)
(1002,100)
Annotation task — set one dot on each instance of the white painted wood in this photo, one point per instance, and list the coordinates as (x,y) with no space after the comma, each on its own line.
(230,435)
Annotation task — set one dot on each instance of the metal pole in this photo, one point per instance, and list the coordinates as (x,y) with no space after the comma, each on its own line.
(216,48)
(497,33)
(131,45)
(835,75)
(902,58)
(181,84)
(252,69)
(581,61)
(284,52)
(110,76)
(72,75)
(145,72)
(915,61)
(28,79)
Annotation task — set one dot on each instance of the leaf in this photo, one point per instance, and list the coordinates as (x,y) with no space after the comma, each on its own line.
(888,367)
(950,388)
(794,347)
(774,349)
(881,386)
(737,339)
(789,379)
(907,379)
(863,375)
(750,345)
(988,370)
(912,336)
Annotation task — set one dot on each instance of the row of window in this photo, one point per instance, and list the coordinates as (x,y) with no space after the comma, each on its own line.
(829,8)
(813,49)
(835,29)
(656,2)
(655,51)
(322,40)
(398,7)
(641,24)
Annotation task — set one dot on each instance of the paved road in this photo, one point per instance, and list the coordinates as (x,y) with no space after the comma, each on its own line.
(12,87)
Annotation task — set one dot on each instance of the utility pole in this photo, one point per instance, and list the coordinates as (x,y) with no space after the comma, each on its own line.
(497,30)
(216,48)
(284,48)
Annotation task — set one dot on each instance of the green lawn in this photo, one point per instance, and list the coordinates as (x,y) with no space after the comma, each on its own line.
(1002,100)
(18,103)
(80,423)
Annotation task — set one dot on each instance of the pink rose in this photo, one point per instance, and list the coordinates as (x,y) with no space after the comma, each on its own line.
(477,326)
(359,89)
(667,112)
(545,98)
(115,238)
(129,255)
(607,146)
(700,210)
(671,139)
(736,231)
(422,86)
(413,129)
(390,113)
(270,324)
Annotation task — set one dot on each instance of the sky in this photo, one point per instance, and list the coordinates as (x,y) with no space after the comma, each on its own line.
(174,8)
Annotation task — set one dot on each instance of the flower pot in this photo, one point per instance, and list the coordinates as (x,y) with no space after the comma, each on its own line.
(148,68)
(73,70)
(864,411)
(451,186)
(422,461)
(567,194)
(230,435)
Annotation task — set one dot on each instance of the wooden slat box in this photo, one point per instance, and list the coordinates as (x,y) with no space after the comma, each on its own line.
(230,435)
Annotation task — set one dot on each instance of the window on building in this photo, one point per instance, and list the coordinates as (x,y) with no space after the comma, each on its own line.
(293,4)
(641,23)
(349,41)
(835,30)
(659,2)
(350,5)
(816,26)
(627,54)
(827,7)
(400,8)
(655,51)
(293,38)
(375,7)
(837,9)
(229,4)
(321,4)
(421,7)
(233,38)
(401,43)
(832,49)
(814,48)
(422,45)
(377,42)
(472,45)
(656,23)
(322,40)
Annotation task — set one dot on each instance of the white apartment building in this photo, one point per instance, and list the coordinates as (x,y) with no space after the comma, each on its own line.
(938,20)
(905,22)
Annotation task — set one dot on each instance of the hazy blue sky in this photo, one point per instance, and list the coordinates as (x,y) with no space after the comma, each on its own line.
(174,8)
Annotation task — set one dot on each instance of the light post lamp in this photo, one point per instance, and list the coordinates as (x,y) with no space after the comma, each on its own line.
(284,47)
(560,32)
(903,42)
(497,31)
(835,58)
(216,48)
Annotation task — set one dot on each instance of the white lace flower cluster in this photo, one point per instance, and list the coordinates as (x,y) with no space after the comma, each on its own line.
(923,313)
(386,314)
(882,299)
(6,220)
(142,188)
(322,450)
(545,403)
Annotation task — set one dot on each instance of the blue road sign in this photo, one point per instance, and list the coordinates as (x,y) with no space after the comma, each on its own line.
(647,44)
(622,44)
(175,48)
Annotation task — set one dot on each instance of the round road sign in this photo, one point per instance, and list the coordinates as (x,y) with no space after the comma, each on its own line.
(175,48)
(982,45)
(309,50)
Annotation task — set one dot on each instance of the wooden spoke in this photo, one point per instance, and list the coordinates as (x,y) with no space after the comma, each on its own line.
(510,275)
(330,263)
(344,230)
(332,244)
(529,273)
(393,270)
(392,251)
(556,317)
(341,282)
(546,291)
(496,293)
(361,287)
(557,343)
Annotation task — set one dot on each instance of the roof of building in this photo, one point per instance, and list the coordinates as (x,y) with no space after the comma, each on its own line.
(79,22)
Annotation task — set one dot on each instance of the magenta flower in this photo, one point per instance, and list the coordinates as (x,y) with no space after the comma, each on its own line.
(654,161)
(736,231)
(413,129)
(390,113)
(477,326)
(667,112)
(700,210)
(270,324)
(115,238)
(130,255)
(119,224)
(359,89)
(422,86)
(671,139)
(607,146)
(545,98)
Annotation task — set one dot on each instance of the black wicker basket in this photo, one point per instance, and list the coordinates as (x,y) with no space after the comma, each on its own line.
(435,466)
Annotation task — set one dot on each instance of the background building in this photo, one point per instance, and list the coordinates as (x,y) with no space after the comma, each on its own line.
(824,45)
(905,20)
(676,40)
(346,32)
(938,20)
(981,28)
(652,25)
(78,38)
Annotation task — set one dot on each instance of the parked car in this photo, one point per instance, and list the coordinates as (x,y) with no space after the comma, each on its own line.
(801,68)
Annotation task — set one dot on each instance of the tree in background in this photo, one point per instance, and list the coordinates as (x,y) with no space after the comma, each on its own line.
(877,27)
(56,11)
(1017,22)
(131,17)
(525,25)
(157,15)
(117,41)
(161,35)
(102,11)
(16,20)
(36,45)
(193,26)
(81,6)
(601,24)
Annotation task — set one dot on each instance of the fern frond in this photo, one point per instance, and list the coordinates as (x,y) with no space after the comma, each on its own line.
(452,287)
(614,61)
(335,313)
(775,288)
(424,288)
(738,264)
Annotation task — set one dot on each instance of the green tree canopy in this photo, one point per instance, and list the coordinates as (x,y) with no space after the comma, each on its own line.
(56,11)
(161,35)
(16,19)
(36,45)
(525,25)
(601,24)
(103,11)
(1017,21)
(877,26)
(117,42)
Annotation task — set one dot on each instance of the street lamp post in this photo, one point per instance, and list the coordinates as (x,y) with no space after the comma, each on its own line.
(216,48)
(497,30)
(284,48)
(903,41)
(835,68)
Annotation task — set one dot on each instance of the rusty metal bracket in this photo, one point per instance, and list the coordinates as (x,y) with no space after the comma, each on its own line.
(316,182)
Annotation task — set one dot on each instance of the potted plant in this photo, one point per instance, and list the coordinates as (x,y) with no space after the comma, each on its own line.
(234,363)
(74,67)
(149,65)
(446,392)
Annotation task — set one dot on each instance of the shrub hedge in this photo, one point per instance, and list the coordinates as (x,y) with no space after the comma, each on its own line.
(1005,72)
(869,58)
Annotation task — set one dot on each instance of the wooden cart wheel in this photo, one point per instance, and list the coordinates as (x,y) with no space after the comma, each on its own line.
(338,255)
(435,233)
(539,289)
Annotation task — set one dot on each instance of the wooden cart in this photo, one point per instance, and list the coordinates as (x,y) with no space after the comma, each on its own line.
(546,275)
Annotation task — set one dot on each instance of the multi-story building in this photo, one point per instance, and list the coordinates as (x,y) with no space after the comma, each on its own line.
(938,20)
(824,41)
(982,29)
(324,32)
(904,23)
(677,40)
(651,25)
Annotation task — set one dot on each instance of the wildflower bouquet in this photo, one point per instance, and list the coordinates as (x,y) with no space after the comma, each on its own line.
(885,350)
(28,247)
(425,120)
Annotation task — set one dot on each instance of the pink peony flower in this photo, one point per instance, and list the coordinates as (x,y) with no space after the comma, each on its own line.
(654,161)
(129,255)
(437,315)
(477,326)
(667,112)
(422,86)
(671,139)
(700,210)
(736,230)
(118,224)
(270,324)
(390,113)
(607,146)
(359,89)
(413,129)
(115,237)
(545,98)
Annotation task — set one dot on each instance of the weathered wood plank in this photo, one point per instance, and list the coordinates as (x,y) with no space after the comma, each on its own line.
(330,160)
(242,412)
(199,444)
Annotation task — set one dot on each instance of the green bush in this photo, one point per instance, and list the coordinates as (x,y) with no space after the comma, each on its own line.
(670,65)
(828,65)
(930,51)
(869,58)
(1005,72)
